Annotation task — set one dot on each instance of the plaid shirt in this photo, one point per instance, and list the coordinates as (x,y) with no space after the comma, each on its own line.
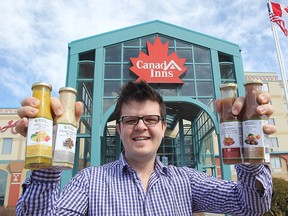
(115,189)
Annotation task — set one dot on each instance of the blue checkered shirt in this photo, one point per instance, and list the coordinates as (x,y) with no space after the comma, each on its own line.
(115,189)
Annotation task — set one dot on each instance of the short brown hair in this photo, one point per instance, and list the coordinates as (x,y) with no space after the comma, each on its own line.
(138,91)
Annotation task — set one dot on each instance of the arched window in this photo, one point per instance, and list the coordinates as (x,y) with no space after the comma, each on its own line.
(3,183)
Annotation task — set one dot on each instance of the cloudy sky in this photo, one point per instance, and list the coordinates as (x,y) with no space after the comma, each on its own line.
(34,34)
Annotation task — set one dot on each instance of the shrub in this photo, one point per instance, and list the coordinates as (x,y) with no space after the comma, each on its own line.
(279,205)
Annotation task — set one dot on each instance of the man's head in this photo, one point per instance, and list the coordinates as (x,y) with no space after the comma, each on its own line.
(140,114)
(140,92)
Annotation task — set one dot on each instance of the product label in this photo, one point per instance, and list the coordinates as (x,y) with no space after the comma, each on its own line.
(39,137)
(231,139)
(64,141)
(254,140)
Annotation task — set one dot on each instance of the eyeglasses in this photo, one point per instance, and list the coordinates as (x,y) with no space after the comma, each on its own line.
(148,120)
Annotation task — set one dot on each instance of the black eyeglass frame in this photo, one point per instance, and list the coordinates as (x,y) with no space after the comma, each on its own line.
(159,118)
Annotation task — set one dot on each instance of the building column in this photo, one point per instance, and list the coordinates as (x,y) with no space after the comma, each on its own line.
(16,169)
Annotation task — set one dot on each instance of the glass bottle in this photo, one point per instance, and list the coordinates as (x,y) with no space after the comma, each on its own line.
(255,146)
(230,126)
(39,135)
(64,131)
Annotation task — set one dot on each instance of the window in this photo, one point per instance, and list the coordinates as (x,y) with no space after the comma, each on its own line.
(276,163)
(7,146)
(273,142)
(227,70)
(265,87)
(3,182)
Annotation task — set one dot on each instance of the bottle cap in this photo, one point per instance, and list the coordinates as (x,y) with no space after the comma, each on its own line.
(41,84)
(254,81)
(73,90)
(228,85)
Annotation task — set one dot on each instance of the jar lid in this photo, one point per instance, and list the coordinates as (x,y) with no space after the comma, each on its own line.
(73,90)
(254,81)
(42,84)
(228,85)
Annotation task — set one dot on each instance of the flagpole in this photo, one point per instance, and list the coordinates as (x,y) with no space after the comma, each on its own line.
(281,62)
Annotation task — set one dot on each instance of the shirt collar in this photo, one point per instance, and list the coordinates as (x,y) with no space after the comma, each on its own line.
(160,168)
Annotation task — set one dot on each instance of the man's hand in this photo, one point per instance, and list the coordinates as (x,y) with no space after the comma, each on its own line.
(29,110)
(265,108)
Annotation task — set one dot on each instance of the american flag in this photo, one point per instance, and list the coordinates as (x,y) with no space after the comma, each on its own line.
(275,13)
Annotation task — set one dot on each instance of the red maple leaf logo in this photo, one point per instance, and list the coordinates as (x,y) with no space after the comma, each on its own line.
(158,66)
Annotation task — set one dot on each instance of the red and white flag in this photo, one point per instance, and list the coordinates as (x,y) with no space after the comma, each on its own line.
(276,13)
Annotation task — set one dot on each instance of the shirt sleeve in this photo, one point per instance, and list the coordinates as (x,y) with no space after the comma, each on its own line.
(41,194)
(231,197)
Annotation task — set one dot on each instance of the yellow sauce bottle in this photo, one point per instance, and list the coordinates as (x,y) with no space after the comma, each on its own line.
(40,129)
(64,131)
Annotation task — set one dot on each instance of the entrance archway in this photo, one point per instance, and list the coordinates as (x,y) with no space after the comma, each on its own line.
(189,138)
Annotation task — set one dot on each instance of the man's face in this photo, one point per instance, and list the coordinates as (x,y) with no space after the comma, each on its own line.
(141,141)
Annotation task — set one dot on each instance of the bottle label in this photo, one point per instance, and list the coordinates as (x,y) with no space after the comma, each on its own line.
(231,139)
(39,137)
(64,141)
(255,140)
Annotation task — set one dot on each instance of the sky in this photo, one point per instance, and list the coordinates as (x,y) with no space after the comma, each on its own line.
(34,34)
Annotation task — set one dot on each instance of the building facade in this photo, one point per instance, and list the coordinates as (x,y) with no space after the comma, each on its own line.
(186,67)
(12,153)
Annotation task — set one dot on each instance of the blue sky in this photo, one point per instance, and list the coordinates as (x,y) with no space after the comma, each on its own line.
(34,34)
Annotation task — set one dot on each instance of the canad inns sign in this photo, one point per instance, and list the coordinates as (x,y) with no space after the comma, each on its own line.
(158,66)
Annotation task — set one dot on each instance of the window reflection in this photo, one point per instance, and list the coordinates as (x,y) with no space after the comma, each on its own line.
(132,43)
(168,90)
(113,53)
(227,70)
(112,71)
(226,64)
(201,54)
(107,103)
(86,69)
(189,74)
(130,53)
(151,39)
(185,53)
(166,39)
(205,88)
(112,88)
(127,74)
(203,72)
(183,44)
(88,56)
(187,89)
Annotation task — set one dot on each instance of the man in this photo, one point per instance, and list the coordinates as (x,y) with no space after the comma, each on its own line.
(138,183)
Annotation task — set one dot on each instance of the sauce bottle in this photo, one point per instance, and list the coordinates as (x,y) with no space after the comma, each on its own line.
(39,135)
(64,131)
(230,126)
(255,146)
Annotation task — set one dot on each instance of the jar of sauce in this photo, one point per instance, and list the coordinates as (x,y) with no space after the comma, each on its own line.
(230,126)
(39,135)
(64,131)
(255,146)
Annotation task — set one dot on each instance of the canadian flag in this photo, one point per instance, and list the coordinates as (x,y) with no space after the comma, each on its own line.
(279,9)
(276,12)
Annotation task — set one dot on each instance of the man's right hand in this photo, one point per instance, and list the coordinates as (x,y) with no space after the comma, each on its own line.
(29,110)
